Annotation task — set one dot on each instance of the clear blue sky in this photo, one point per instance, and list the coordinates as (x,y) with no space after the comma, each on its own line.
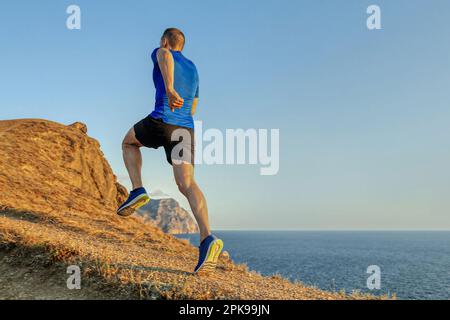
(363,115)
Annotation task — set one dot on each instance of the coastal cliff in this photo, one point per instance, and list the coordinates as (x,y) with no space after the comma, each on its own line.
(57,209)
(169,216)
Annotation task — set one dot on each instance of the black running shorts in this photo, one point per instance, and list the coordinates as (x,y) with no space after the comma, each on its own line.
(178,142)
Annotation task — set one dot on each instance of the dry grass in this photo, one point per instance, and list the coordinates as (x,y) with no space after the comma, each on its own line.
(134,259)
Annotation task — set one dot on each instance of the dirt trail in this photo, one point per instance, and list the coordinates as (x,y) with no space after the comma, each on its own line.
(18,282)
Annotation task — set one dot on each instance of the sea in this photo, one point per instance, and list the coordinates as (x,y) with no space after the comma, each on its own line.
(413,265)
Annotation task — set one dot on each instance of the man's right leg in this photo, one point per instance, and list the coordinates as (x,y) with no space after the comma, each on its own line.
(133,158)
(210,246)
(184,178)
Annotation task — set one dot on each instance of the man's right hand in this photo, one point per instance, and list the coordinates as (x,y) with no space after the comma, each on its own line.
(175,101)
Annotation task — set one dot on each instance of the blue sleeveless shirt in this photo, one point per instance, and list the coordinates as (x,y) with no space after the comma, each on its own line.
(186,83)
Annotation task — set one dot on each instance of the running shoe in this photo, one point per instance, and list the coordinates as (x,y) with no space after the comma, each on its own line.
(137,199)
(209,252)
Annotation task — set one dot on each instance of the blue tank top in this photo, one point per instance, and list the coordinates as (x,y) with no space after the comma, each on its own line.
(186,83)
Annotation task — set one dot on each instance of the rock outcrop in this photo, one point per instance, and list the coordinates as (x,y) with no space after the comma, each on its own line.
(49,166)
(169,216)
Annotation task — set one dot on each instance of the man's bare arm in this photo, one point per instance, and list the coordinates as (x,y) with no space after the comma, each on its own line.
(194,106)
(167,66)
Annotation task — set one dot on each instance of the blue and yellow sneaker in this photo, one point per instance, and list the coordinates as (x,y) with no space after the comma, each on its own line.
(137,199)
(209,252)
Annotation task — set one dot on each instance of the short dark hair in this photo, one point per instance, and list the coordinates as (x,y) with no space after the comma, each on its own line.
(175,37)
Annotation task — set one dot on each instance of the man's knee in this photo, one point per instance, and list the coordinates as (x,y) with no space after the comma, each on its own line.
(185,184)
(126,145)
(130,142)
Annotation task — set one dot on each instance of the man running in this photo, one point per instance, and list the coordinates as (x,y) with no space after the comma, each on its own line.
(171,126)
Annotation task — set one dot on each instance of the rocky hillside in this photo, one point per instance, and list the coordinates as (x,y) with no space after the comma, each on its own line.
(57,208)
(169,216)
(45,166)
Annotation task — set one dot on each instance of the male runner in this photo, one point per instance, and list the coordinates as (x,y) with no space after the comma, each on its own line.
(171,126)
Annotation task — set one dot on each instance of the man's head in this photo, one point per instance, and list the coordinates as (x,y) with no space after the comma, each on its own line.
(173,39)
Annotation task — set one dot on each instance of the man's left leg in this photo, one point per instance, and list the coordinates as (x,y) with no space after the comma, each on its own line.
(133,161)
(132,158)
